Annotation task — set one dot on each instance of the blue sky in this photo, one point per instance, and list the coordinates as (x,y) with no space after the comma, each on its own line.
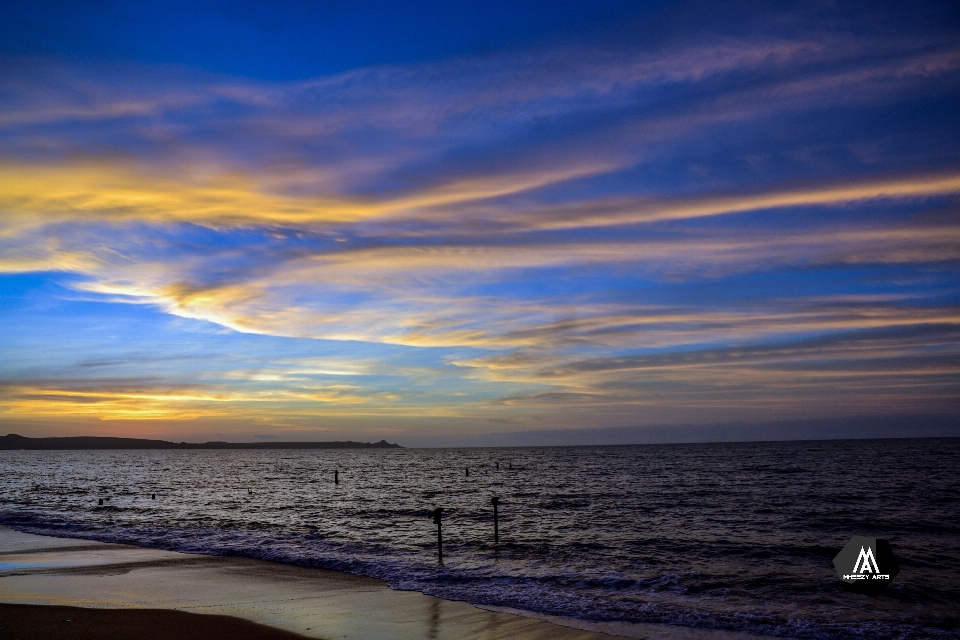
(406,220)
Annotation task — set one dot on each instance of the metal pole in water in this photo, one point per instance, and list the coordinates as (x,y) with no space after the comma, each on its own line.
(496,524)
(436,514)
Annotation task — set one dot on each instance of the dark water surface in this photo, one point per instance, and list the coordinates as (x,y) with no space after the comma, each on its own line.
(724,536)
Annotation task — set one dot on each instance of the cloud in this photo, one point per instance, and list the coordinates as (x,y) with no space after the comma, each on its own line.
(421,294)
(125,400)
(32,196)
(832,195)
(567,226)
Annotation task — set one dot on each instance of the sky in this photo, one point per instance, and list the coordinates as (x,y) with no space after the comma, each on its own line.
(424,221)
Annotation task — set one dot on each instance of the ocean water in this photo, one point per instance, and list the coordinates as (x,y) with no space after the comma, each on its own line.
(720,536)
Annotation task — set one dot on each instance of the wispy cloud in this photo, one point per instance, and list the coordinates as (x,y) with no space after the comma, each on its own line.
(566,226)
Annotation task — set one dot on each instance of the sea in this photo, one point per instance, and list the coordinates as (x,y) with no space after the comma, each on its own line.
(730,536)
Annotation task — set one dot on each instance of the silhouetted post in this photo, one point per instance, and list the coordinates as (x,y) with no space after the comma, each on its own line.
(468,472)
(498,466)
(436,515)
(336,476)
(496,524)
(511,466)
(153,496)
(100,503)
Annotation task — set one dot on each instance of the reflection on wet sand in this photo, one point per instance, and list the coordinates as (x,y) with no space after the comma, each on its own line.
(312,602)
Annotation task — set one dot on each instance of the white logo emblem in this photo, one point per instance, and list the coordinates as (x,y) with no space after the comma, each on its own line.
(866,563)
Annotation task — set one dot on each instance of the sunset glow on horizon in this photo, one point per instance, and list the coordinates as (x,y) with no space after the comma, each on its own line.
(237,222)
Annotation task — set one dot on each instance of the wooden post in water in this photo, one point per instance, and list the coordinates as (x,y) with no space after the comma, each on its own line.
(436,514)
(468,472)
(496,524)
(336,476)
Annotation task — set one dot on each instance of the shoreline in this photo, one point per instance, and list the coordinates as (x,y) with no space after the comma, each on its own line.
(310,602)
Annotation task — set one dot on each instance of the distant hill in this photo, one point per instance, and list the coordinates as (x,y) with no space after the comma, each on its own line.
(15,442)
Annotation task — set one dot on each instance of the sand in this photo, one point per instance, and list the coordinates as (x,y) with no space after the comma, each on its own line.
(42,622)
(314,603)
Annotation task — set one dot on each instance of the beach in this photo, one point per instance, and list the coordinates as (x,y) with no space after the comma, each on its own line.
(47,622)
(149,590)
(314,603)
(695,541)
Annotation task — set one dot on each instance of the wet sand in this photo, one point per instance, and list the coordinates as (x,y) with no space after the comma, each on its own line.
(315,603)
